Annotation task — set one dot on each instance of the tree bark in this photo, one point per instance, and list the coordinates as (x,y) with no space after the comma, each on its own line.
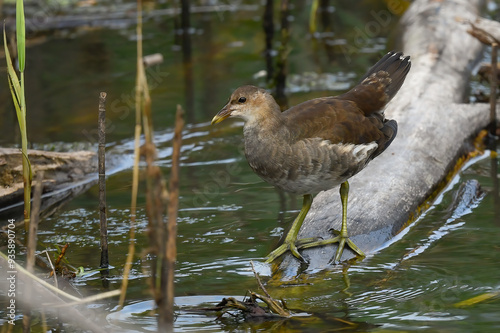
(66,175)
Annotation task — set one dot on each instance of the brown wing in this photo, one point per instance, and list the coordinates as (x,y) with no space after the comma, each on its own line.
(356,116)
(339,121)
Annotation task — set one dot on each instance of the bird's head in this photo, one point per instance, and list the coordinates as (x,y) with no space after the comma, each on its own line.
(249,103)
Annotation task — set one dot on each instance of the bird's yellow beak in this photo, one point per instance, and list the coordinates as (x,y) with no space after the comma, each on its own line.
(223,114)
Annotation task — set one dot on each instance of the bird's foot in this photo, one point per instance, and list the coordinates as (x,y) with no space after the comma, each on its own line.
(286,246)
(291,238)
(341,239)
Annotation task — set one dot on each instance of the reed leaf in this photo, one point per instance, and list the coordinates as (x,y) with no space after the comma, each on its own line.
(15,87)
(21,34)
(13,78)
(16,104)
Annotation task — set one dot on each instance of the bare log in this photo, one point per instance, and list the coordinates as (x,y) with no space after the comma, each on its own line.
(66,174)
(434,132)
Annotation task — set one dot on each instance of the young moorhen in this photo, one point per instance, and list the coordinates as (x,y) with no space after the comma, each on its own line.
(318,144)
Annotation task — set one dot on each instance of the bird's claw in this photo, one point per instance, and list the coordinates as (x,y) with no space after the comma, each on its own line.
(287,246)
(342,240)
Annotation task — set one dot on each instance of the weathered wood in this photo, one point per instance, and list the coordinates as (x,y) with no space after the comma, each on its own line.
(434,131)
(66,174)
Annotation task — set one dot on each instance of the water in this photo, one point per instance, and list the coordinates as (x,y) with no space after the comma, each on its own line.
(228,216)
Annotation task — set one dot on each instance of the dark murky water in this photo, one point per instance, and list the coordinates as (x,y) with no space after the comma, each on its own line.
(228,216)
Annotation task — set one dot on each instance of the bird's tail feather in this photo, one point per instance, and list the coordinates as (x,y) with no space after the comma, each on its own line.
(397,66)
(379,85)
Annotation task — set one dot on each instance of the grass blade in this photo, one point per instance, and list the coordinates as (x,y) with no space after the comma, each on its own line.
(21,34)
(14,79)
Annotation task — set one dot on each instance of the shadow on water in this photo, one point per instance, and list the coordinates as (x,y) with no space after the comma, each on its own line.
(228,216)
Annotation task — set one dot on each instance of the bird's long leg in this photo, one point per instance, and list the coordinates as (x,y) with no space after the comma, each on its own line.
(344,191)
(291,237)
(342,238)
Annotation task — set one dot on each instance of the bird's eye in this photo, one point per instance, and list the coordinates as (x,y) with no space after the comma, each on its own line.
(242,100)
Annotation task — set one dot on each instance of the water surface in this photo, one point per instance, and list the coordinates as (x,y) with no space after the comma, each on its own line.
(228,216)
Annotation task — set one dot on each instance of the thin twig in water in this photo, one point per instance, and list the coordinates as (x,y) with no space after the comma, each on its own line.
(271,302)
(102,184)
(261,286)
(53,269)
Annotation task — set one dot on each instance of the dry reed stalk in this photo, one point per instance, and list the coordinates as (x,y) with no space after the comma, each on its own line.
(135,172)
(173,209)
(31,246)
(157,199)
(133,211)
